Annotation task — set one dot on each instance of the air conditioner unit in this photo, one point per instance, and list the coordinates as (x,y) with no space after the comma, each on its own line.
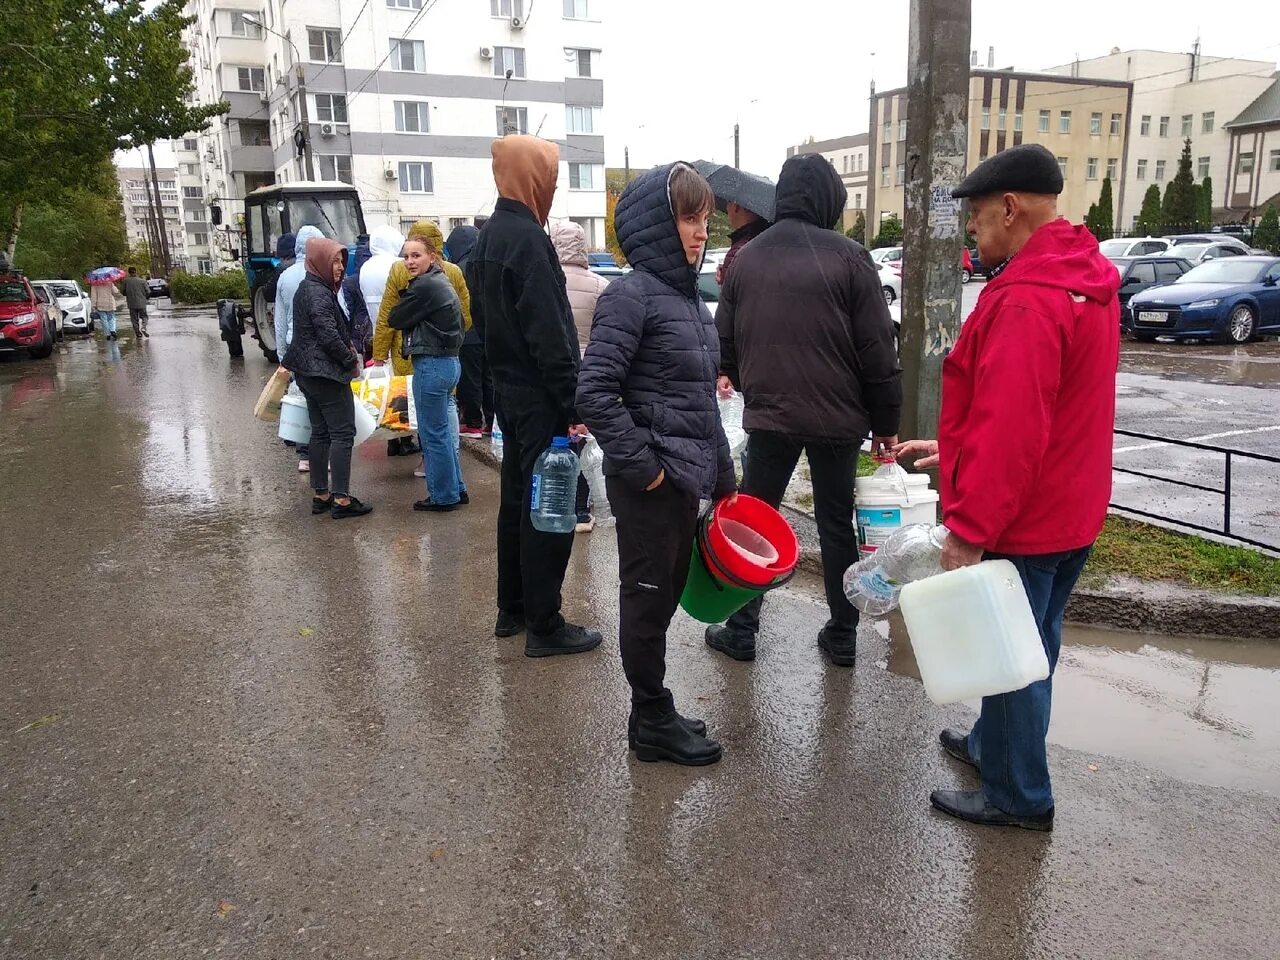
(327,129)
(262,97)
(390,174)
(517,23)
(486,53)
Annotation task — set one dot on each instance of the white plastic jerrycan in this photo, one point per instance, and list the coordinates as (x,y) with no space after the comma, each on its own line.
(973,632)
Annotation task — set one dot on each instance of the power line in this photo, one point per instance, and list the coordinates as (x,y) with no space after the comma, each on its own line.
(342,44)
(393,49)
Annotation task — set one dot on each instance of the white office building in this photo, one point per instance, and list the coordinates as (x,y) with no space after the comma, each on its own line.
(404,98)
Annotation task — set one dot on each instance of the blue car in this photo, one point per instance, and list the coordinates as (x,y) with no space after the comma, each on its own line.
(1231,300)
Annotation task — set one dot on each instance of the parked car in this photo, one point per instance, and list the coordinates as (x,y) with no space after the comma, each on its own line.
(1204,252)
(890,284)
(46,295)
(157,287)
(1132,247)
(716,255)
(609,273)
(1231,300)
(1142,273)
(26,323)
(887,255)
(77,314)
(1197,238)
(709,286)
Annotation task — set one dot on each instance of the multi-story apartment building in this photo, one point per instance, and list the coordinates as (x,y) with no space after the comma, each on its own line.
(134,184)
(1176,97)
(1254,157)
(848,155)
(195,213)
(403,99)
(1084,122)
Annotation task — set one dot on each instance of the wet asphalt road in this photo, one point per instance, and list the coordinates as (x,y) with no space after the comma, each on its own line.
(228,728)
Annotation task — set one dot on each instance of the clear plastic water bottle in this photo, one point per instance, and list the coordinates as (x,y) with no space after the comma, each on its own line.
(495,439)
(912,553)
(592,460)
(554,489)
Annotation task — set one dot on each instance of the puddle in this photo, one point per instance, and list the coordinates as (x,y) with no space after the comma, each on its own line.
(1196,709)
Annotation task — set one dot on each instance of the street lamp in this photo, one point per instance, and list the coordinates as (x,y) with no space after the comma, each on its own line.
(304,116)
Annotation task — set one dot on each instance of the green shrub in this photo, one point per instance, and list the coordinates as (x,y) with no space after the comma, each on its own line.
(207,288)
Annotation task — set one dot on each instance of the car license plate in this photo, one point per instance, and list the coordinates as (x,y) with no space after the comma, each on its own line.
(1147,316)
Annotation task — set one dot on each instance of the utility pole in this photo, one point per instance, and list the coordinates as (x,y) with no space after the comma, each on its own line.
(937,149)
(304,116)
(166,259)
(871,221)
(736,158)
(626,166)
(154,259)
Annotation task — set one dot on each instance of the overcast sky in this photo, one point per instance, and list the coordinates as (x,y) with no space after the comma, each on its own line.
(679,72)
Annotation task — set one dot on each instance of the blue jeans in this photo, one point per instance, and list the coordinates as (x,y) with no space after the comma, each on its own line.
(108,320)
(433,381)
(1008,741)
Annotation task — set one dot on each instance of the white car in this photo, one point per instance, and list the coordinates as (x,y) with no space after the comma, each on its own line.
(76,312)
(1133,246)
(887,255)
(709,286)
(890,284)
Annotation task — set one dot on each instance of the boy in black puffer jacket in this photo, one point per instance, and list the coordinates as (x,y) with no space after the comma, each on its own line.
(646,391)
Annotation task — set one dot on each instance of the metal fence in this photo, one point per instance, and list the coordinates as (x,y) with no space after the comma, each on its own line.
(1224,491)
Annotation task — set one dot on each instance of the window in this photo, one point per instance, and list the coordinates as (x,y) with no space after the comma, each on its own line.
(902,172)
(408,56)
(986,118)
(1000,120)
(1244,163)
(200,239)
(1143,273)
(507,8)
(1145,129)
(1202,168)
(1160,165)
(334,168)
(415,177)
(884,175)
(1044,121)
(1095,124)
(1167,272)
(405,4)
(508,58)
(584,176)
(857,201)
(1017,122)
(1273,161)
(585,60)
(1142,169)
(846,163)
(189,169)
(251,79)
(583,120)
(190,143)
(576,10)
(1164,126)
(324,46)
(1115,125)
(1187,119)
(1113,168)
(1064,121)
(331,107)
(512,120)
(193,193)
(1091,169)
(902,129)
(1206,122)
(412,117)
(1062,166)
(888,131)
(241,27)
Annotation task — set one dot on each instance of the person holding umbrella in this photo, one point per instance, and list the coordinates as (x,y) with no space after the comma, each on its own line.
(103,297)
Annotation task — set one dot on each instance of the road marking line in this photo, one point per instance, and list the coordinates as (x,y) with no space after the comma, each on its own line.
(1203,439)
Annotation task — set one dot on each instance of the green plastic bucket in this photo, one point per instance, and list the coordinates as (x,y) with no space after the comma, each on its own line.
(711,594)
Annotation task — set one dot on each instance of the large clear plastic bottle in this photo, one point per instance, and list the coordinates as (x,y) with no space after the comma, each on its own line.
(912,553)
(592,460)
(553,491)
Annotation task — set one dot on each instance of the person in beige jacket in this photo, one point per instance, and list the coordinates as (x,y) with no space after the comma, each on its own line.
(102,299)
(583,288)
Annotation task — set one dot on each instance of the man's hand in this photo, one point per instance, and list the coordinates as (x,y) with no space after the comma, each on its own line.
(881,446)
(579,430)
(956,553)
(927,450)
(657,481)
(724,387)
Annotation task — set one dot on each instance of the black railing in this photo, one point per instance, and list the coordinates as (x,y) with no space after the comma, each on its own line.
(1224,491)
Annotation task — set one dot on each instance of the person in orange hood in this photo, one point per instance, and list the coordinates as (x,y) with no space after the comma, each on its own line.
(1024,446)
(521,310)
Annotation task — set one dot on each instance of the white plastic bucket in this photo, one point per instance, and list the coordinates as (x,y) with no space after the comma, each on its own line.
(295,422)
(883,506)
(366,422)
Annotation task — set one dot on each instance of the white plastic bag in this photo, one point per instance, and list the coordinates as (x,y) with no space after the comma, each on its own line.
(592,461)
(731,409)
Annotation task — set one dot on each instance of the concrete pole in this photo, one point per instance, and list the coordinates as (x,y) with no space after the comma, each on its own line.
(736,157)
(626,167)
(937,148)
(166,257)
(873,168)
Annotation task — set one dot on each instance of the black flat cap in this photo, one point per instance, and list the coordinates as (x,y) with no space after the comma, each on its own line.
(1027,168)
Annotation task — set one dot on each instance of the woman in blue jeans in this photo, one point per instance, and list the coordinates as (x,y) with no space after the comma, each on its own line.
(430,315)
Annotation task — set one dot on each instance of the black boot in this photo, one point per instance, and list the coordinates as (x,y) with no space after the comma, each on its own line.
(838,645)
(568,639)
(669,738)
(697,726)
(730,642)
(509,624)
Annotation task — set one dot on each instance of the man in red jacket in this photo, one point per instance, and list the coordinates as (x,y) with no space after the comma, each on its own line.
(1024,449)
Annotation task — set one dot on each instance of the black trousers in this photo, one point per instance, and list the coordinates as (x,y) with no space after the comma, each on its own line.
(531,563)
(655,543)
(332,408)
(475,389)
(771,460)
(138,317)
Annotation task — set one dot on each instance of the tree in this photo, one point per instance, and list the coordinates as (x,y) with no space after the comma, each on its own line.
(1267,236)
(1091,221)
(67,233)
(610,228)
(1206,203)
(1181,209)
(718,230)
(859,229)
(1149,218)
(1106,216)
(890,234)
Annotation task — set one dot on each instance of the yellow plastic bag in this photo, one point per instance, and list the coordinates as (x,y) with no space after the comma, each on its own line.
(390,398)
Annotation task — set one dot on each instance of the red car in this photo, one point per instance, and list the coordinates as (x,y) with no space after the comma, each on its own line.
(26,322)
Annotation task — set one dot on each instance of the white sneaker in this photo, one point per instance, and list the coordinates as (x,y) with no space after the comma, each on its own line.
(304,466)
(585,527)
(421,470)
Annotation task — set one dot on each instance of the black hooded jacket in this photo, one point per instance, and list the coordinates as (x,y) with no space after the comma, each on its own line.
(804,330)
(647,385)
(457,249)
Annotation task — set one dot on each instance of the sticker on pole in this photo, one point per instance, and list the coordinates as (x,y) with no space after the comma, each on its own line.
(944,212)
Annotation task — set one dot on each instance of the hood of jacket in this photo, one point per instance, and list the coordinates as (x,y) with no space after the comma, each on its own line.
(525,170)
(362,256)
(462,240)
(429,231)
(386,241)
(647,232)
(809,189)
(285,246)
(300,240)
(1063,256)
(570,241)
(321,252)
